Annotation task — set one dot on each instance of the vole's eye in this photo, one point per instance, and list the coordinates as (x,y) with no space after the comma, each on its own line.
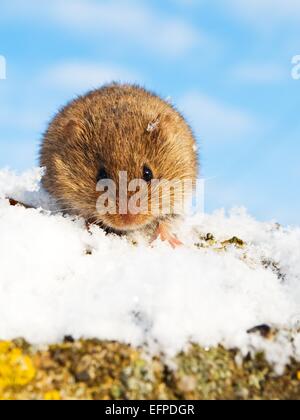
(102,174)
(147,174)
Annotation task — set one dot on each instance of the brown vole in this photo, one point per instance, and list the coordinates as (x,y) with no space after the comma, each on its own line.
(116,128)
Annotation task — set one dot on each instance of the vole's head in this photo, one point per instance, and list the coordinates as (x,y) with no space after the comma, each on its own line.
(129,137)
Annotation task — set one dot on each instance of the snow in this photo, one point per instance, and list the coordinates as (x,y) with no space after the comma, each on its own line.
(51,287)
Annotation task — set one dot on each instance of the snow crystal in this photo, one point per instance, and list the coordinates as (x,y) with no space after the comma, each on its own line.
(50,286)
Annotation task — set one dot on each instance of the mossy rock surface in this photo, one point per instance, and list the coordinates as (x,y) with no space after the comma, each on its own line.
(111,371)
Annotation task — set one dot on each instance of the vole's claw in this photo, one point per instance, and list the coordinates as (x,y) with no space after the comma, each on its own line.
(174,242)
(164,234)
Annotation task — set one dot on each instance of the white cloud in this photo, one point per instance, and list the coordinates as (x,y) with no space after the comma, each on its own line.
(78,76)
(263,12)
(260,73)
(215,121)
(132,19)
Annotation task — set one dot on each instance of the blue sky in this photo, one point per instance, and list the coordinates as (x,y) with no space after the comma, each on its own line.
(226,64)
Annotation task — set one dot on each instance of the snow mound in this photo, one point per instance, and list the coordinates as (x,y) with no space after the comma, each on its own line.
(58,279)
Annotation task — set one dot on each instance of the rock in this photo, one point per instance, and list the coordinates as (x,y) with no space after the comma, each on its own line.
(96,370)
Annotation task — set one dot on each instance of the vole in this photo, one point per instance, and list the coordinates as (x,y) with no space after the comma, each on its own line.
(116,129)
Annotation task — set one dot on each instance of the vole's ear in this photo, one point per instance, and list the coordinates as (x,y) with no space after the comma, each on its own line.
(72,128)
(166,119)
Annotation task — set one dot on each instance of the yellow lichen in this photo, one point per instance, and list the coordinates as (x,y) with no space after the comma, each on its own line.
(16,368)
(52,396)
(4,346)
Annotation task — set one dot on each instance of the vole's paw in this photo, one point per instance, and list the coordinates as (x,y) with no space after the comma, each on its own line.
(174,242)
(165,235)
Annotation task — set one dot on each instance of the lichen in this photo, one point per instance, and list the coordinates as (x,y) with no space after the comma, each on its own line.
(93,370)
(16,368)
(52,396)
(209,241)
